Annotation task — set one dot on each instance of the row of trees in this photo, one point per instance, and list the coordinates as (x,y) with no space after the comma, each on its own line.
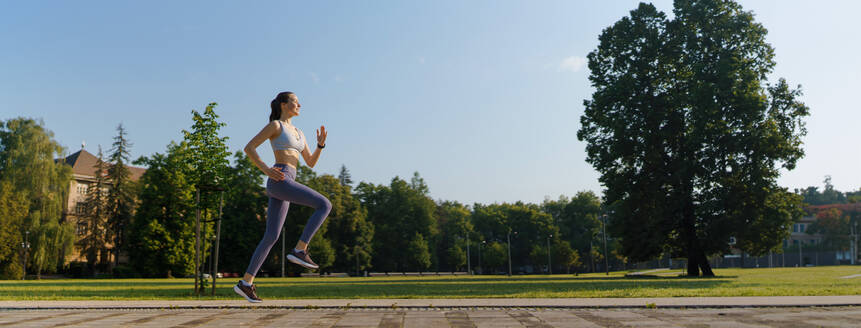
(394,227)
(34,189)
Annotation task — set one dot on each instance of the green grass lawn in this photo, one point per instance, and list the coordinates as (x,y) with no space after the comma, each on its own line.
(729,282)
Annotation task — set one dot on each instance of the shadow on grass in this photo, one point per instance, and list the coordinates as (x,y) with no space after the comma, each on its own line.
(490,279)
(450,288)
(89,283)
(380,287)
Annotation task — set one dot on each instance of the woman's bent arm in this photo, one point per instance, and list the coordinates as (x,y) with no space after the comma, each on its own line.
(310,159)
(251,149)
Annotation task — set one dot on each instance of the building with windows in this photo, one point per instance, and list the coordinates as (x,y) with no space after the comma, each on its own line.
(83,177)
(799,233)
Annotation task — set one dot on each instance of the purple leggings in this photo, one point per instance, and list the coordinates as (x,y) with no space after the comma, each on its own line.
(281,194)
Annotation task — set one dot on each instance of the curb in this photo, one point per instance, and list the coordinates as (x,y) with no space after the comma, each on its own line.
(429,308)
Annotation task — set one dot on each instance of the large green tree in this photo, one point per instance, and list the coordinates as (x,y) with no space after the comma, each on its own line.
(244,218)
(403,218)
(28,165)
(120,197)
(208,161)
(344,237)
(14,207)
(95,217)
(834,225)
(688,135)
(529,228)
(349,229)
(455,229)
(577,219)
(161,240)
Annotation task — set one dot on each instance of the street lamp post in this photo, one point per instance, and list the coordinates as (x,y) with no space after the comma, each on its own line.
(604,228)
(479,255)
(283,247)
(509,251)
(26,246)
(468,266)
(197,279)
(217,241)
(800,258)
(854,251)
(549,264)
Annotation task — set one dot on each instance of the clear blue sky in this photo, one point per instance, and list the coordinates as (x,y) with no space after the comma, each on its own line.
(482,98)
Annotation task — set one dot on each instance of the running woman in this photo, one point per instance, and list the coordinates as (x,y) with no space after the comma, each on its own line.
(288,142)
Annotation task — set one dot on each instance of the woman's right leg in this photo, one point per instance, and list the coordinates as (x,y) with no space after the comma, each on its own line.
(275,216)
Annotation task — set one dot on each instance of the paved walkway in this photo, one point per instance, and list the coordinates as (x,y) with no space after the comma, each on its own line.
(435,317)
(795,311)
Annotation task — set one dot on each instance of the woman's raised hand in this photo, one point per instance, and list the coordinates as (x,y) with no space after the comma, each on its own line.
(321,136)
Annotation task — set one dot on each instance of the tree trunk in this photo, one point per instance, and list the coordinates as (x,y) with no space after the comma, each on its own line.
(705,266)
(693,261)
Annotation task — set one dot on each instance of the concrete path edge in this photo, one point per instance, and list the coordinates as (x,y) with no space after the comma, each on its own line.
(563,303)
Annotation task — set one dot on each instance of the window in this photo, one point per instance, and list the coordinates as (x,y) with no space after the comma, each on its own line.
(795,227)
(81,228)
(80,208)
(82,188)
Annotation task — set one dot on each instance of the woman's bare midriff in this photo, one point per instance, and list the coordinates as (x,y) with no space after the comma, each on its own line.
(289,157)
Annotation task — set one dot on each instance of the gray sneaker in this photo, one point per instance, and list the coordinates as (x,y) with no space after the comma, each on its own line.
(249,292)
(302,258)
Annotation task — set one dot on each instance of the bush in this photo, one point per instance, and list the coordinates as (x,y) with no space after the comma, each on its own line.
(125,271)
(11,270)
(77,269)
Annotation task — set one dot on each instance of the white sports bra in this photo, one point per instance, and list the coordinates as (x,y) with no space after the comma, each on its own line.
(285,141)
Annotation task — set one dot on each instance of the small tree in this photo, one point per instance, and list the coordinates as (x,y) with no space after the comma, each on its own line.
(120,198)
(419,253)
(93,245)
(344,176)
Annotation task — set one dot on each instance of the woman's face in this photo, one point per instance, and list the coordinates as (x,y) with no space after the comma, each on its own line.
(291,107)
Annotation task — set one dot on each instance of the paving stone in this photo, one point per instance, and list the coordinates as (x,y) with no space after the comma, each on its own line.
(493,319)
(298,319)
(360,319)
(564,319)
(649,323)
(173,319)
(425,319)
(833,323)
(618,314)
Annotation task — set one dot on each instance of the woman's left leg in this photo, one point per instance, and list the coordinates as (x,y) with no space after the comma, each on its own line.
(295,192)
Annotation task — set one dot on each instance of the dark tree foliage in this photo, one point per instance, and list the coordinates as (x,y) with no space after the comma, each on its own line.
(404,223)
(528,225)
(812,195)
(344,177)
(689,136)
(161,239)
(244,214)
(120,197)
(93,245)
